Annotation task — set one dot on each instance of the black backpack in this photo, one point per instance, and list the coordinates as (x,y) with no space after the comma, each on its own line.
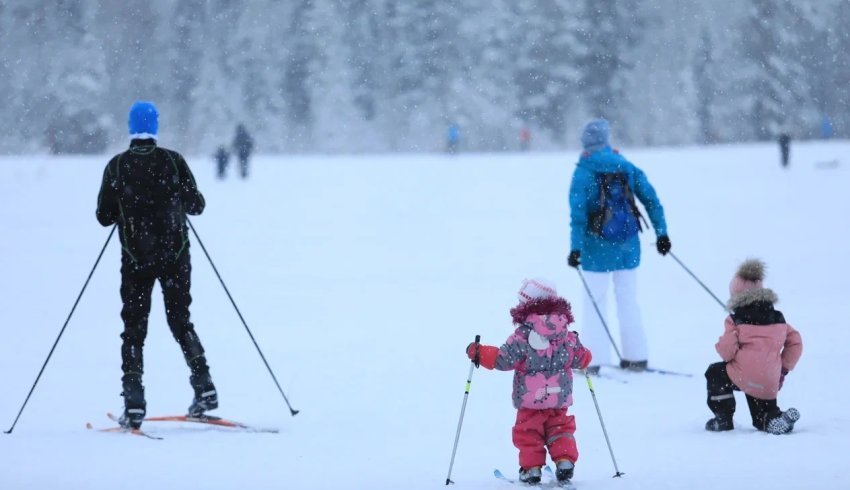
(616,216)
(153,220)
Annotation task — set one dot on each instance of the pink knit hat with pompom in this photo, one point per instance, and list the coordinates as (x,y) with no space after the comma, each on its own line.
(750,276)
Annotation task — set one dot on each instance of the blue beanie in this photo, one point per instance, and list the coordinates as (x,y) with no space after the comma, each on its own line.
(595,135)
(143,120)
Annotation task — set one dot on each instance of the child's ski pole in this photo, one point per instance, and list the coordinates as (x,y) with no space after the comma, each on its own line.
(474,364)
(602,423)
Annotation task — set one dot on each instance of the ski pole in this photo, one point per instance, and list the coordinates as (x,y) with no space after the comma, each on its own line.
(599,313)
(291,410)
(474,364)
(698,281)
(61,331)
(617,473)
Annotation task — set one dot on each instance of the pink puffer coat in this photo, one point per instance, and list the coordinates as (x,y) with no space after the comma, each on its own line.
(757,344)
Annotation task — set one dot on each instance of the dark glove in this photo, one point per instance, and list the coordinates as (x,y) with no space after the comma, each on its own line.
(663,244)
(572,260)
(782,377)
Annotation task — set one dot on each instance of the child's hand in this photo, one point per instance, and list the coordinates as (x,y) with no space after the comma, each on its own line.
(782,377)
(584,357)
(472,351)
(485,355)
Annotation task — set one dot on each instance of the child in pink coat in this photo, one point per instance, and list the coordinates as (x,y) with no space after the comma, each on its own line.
(758,349)
(542,352)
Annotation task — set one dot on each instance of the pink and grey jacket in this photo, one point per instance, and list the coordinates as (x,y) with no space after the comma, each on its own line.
(542,352)
(757,344)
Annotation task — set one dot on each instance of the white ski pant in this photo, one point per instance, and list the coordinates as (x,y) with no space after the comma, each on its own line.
(592,334)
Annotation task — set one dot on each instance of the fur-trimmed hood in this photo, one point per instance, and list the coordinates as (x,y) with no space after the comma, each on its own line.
(541,306)
(751,296)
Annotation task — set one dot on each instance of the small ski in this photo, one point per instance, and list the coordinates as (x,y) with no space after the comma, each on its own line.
(501,476)
(122,430)
(549,480)
(212,420)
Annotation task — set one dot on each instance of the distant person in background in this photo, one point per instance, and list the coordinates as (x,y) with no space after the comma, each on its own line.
(784,148)
(222,158)
(524,138)
(453,138)
(604,226)
(243,144)
(826,128)
(758,349)
(147,191)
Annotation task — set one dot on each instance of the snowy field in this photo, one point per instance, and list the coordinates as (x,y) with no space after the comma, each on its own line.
(364,278)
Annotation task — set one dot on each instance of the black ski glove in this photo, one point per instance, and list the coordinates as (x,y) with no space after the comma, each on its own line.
(573,259)
(663,244)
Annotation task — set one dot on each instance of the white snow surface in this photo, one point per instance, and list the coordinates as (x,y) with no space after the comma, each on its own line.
(364,278)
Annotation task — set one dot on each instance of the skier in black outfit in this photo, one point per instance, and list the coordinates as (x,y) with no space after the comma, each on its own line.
(244,145)
(222,157)
(784,148)
(148,191)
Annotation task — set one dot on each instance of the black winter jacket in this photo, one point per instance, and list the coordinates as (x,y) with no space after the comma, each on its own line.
(148,191)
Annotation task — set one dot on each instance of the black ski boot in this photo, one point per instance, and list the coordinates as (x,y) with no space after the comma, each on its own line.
(134,402)
(530,476)
(206,397)
(636,366)
(564,471)
(719,424)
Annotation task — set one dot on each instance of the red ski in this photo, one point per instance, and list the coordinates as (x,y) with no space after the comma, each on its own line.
(135,432)
(207,419)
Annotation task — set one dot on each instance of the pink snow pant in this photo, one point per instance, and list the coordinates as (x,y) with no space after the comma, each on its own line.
(535,430)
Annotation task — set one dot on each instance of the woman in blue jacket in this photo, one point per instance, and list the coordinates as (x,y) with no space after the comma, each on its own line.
(604,225)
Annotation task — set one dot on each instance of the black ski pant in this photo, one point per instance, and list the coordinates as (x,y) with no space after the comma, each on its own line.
(721,398)
(243,164)
(136,288)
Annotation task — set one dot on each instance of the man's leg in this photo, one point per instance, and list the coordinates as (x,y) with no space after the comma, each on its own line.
(176,284)
(593,334)
(631,323)
(136,289)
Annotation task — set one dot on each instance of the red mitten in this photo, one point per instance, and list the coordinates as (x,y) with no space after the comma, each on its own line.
(487,354)
(584,357)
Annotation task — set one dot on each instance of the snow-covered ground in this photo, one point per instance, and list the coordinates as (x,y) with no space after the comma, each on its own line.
(364,278)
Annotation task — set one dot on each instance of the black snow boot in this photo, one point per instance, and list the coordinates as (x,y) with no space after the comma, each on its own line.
(530,476)
(564,471)
(719,424)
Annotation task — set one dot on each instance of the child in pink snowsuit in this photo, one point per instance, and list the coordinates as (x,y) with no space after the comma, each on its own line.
(542,352)
(758,349)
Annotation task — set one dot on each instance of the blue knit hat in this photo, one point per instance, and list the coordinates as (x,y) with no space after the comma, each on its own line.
(595,135)
(143,120)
